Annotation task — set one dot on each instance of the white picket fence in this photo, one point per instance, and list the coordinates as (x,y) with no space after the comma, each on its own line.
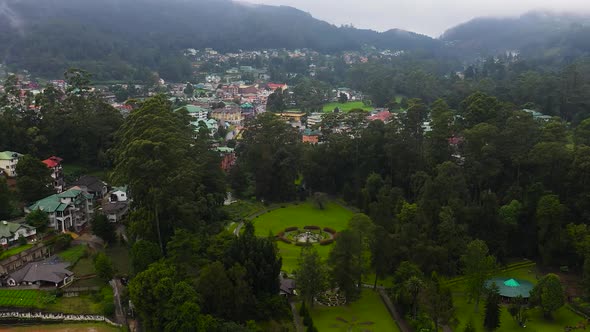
(58,317)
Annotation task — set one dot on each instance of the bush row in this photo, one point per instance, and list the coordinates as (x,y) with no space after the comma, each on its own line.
(312,227)
(326,242)
(330,230)
(290,229)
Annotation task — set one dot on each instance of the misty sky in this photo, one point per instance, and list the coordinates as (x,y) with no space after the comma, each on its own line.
(431,17)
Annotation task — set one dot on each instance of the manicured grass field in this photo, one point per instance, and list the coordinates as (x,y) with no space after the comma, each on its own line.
(305,214)
(20,298)
(369,308)
(14,251)
(536,323)
(347,106)
(73,254)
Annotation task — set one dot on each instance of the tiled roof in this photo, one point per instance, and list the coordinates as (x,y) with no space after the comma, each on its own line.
(48,271)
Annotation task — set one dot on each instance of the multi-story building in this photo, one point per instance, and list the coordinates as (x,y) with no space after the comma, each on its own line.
(230,115)
(54,164)
(196,112)
(69,210)
(8,161)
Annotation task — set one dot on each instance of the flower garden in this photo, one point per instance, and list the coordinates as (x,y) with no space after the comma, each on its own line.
(294,225)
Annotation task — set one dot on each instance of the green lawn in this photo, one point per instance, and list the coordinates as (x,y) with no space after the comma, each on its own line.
(14,251)
(347,106)
(73,254)
(369,308)
(119,255)
(536,323)
(74,171)
(83,304)
(83,267)
(305,214)
(20,298)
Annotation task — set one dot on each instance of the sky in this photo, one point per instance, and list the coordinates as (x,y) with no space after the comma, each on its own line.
(430,17)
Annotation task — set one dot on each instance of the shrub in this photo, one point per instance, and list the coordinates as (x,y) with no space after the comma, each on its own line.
(326,242)
(312,227)
(281,234)
(290,229)
(302,244)
(62,242)
(336,236)
(329,230)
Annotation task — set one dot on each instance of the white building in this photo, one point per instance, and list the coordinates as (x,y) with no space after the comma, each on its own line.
(8,161)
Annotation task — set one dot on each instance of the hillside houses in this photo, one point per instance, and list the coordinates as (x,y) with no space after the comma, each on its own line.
(69,210)
(54,164)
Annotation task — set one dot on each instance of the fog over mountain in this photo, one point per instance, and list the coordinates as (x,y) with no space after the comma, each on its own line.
(431,17)
(118,38)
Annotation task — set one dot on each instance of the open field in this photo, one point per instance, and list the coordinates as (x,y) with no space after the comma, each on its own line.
(83,304)
(368,309)
(73,254)
(537,323)
(20,298)
(305,214)
(15,250)
(347,106)
(119,255)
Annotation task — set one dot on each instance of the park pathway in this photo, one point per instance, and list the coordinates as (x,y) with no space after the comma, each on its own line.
(401,322)
(296,318)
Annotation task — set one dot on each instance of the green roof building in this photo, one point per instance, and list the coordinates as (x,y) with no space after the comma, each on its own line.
(69,210)
(10,232)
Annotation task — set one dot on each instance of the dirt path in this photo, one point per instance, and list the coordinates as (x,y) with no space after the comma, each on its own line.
(119,314)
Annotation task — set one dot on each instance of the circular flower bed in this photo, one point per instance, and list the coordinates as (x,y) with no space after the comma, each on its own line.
(307,236)
(331,298)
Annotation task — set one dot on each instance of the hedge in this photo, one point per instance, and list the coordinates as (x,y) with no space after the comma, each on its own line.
(312,227)
(290,229)
(302,244)
(326,242)
(329,230)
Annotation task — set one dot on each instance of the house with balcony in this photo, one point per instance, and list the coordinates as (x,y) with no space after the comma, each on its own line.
(69,210)
(8,161)
(10,232)
(54,164)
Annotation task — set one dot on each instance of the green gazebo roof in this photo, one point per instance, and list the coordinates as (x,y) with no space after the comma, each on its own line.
(511,283)
(511,288)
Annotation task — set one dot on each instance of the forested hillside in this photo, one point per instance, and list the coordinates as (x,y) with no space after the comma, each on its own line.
(120,39)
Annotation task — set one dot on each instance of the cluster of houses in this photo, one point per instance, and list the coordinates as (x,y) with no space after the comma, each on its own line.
(73,205)
(69,209)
